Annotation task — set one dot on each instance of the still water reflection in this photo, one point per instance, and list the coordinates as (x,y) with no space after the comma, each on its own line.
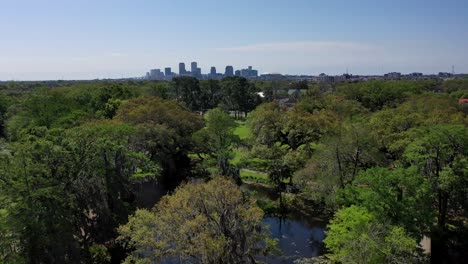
(299,237)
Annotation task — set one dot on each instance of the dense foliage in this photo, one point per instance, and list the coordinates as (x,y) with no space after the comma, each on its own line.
(200,223)
(386,161)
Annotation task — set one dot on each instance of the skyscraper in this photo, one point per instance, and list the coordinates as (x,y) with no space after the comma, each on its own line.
(182,68)
(156,74)
(229,71)
(167,71)
(193,67)
(249,72)
(213,71)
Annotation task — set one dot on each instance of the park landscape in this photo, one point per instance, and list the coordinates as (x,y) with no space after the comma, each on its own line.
(209,171)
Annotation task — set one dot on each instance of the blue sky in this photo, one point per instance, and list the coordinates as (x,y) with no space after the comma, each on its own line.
(81,39)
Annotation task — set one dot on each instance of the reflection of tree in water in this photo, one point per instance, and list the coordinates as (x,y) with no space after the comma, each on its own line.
(299,238)
(316,241)
(287,226)
(317,246)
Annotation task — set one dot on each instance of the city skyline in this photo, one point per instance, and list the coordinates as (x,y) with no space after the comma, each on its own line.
(195,71)
(250,73)
(109,39)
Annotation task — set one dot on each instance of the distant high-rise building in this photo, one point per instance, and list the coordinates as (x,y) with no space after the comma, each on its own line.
(156,74)
(182,68)
(193,67)
(196,72)
(323,78)
(444,75)
(167,71)
(249,72)
(416,74)
(229,71)
(213,71)
(392,76)
(169,75)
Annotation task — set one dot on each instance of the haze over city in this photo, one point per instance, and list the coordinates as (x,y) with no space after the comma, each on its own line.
(113,39)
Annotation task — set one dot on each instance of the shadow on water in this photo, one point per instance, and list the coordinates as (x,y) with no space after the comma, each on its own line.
(148,193)
(260,191)
(299,235)
(298,238)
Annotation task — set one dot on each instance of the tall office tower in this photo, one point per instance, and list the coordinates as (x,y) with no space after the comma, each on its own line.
(156,74)
(213,71)
(167,71)
(238,73)
(229,71)
(182,68)
(193,67)
(249,72)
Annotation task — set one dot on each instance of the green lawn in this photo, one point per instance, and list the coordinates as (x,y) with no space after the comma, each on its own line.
(237,157)
(254,176)
(242,130)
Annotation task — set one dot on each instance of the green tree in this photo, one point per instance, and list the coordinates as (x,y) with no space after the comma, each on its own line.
(200,223)
(440,154)
(376,95)
(239,94)
(337,162)
(63,191)
(271,123)
(211,94)
(391,126)
(355,235)
(302,127)
(161,89)
(106,99)
(4,104)
(33,203)
(217,139)
(187,90)
(164,131)
(402,196)
(266,122)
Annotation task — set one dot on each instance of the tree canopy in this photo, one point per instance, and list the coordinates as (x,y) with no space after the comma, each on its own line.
(200,223)
(384,161)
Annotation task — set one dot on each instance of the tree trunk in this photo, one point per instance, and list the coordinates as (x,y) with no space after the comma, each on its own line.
(443,203)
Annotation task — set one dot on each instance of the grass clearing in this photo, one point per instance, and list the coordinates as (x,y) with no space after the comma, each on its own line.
(242,130)
(254,176)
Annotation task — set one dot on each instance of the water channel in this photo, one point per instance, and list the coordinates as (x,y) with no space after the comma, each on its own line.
(299,235)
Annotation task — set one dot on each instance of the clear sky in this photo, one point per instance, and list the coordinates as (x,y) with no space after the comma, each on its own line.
(85,39)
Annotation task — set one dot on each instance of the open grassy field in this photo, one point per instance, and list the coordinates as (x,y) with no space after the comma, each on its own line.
(242,130)
(254,176)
